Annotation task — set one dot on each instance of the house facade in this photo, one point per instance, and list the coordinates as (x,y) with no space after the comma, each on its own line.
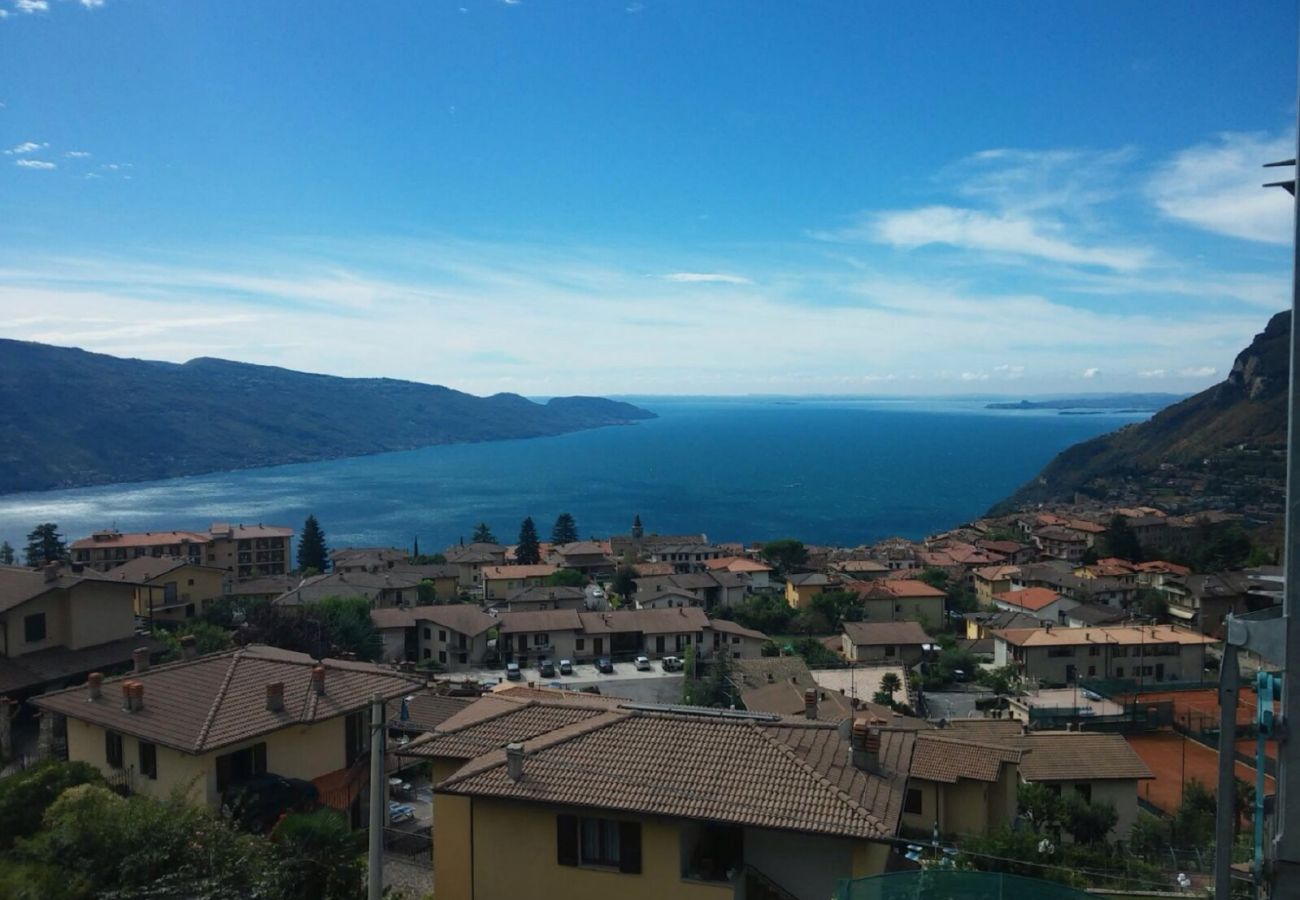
(244,551)
(1151,654)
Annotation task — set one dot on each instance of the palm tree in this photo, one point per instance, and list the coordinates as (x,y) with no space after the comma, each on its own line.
(891,683)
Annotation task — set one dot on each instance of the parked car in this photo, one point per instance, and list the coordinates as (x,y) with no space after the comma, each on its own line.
(512,671)
(566,667)
(672,664)
(545,667)
(257,804)
(604,665)
(643,664)
(597,592)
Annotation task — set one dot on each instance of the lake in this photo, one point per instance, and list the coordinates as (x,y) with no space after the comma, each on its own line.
(826,471)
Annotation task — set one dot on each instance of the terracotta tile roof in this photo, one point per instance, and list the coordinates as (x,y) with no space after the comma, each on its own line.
(726,626)
(492,722)
(875,633)
(897,589)
(210,702)
(18,584)
(812,579)
(650,621)
(938,757)
(32,670)
(428,709)
(785,775)
(736,564)
(497,573)
(464,618)
(989,731)
(582,548)
(784,698)
(539,620)
(1032,599)
(648,570)
(143,569)
(752,673)
(139,539)
(1126,635)
(997,573)
(522,692)
(1078,756)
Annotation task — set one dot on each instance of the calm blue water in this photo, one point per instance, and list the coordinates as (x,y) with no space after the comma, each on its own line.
(842,472)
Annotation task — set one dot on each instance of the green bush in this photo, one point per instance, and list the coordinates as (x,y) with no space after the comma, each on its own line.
(25,797)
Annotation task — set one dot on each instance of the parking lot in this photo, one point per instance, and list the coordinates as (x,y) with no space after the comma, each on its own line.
(654,686)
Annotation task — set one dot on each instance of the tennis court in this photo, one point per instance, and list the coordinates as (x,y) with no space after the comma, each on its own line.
(1175,760)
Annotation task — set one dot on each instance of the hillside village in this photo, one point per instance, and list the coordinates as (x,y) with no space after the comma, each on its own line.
(1041,676)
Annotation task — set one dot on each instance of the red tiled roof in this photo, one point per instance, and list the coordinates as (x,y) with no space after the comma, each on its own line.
(1032,599)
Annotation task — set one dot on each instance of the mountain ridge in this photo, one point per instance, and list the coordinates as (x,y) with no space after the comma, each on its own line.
(1244,413)
(73,418)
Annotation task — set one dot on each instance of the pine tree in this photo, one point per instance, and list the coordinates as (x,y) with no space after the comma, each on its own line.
(565,530)
(483,534)
(312,552)
(45,545)
(528,553)
(6,554)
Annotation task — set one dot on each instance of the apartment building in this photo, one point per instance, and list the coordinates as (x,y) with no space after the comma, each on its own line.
(244,551)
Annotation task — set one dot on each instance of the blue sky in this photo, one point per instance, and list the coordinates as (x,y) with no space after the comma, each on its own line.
(652,197)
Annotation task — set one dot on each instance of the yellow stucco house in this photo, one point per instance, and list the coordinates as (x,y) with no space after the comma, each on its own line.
(170,588)
(642,803)
(204,724)
(801,588)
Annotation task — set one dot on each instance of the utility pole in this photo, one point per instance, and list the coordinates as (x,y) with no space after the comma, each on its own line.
(378,798)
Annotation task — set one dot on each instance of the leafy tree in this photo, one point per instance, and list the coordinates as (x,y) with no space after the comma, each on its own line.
(528,552)
(566,578)
(45,545)
(1089,823)
(427,559)
(769,648)
(483,534)
(1149,836)
(329,628)
(1151,603)
(6,554)
(208,638)
(811,621)
(1122,541)
(838,607)
(565,530)
(624,583)
(935,577)
(891,684)
(785,554)
(767,613)
(312,552)
(1039,805)
(815,653)
(347,622)
(320,857)
(690,684)
(25,796)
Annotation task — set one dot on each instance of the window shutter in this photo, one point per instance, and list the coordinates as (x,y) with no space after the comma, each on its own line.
(566,840)
(629,847)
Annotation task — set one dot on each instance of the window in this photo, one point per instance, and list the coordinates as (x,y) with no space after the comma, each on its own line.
(1119,671)
(891,650)
(191,583)
(579,644)
(148,760)
(1092,671)
(442,656)
(442,635)
(912,802)
(1094,650)
(169,592)
(426,654)
(541,640)
(1084,791)
(34,628)
(189,610)
(589,841)
(463,658)
(113,749)
(428,633)
(240,766)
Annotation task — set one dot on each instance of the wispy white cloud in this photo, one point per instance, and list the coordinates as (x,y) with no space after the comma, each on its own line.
(25,147)
(92,4)
(993,232)
(1153,373)
(1091,372)
(77,154)
(31,6)
(1217,187)
(35,164)
(706,278)
(1198,372)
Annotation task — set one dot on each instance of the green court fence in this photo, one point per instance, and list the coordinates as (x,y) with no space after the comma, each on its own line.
(942,884)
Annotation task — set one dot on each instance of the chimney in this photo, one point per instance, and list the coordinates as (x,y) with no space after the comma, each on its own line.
(860,746)
(132,696)
(140,659)
(810,703)
(95,685)
(275,696)
(51,571)
(189,647)
(515,760)
(318,679)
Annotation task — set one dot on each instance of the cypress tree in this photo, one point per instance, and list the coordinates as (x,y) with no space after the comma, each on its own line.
(565,530)
(45,545)
(312,552)
(528,553)
(483,534)
(6,554)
